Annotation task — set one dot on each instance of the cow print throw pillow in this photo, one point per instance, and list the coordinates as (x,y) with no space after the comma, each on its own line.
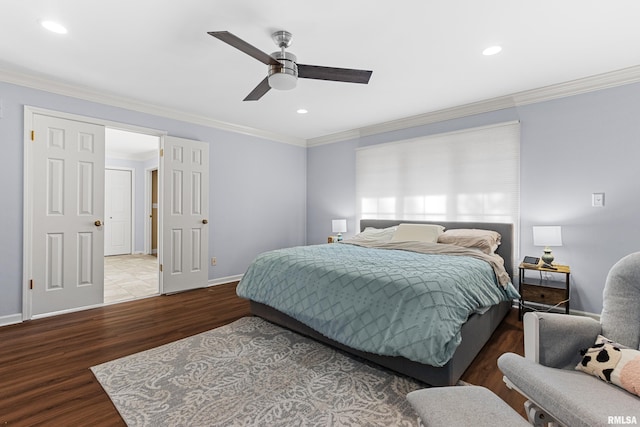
(613,363)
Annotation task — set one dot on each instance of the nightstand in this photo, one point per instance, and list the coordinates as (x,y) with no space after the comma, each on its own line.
(544,286)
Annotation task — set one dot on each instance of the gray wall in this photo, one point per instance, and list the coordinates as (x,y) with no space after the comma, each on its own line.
(570,148)
(257,187)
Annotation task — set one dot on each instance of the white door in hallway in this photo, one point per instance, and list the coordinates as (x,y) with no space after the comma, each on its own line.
(184,210)
(65,190)
(117,211)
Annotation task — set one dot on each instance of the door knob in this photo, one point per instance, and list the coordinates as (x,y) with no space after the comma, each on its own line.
(98,223)
(204,221)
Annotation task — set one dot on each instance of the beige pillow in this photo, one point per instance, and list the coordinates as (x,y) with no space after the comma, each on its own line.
(374,235)
(486,241)
(417,233)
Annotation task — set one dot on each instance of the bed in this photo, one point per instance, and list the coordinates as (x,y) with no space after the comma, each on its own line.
(268,299)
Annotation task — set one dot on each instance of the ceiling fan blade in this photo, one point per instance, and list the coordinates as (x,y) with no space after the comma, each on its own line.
(257,93)
(245,47)
(335,74)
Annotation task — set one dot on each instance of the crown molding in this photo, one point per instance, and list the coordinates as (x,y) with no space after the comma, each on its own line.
(547,93)
(60,88)
(574,87)
(418,120)
(334,137)
(579,86)
(440,115)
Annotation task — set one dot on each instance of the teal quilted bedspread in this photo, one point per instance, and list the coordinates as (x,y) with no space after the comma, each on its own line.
(388,302)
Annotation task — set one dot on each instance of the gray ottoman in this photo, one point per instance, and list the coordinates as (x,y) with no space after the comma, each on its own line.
(463,406)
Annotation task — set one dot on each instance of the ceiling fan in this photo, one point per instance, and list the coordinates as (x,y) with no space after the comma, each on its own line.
(283,70)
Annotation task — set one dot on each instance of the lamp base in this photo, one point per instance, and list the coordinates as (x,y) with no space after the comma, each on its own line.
(339,237)
(547,258)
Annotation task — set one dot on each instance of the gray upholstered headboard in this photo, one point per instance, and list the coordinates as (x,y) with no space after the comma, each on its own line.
(505,250)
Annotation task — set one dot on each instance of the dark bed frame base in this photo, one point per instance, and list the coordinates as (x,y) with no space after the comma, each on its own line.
(475,332)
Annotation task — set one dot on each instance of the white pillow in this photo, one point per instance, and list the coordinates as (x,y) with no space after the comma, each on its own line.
(375,235)
(417,233)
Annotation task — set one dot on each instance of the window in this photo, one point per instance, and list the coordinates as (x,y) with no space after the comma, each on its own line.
(470,175)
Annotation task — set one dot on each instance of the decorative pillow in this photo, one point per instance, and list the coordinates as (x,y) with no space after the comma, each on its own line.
(486,241)
(373,235)
(613,363)
(417,232)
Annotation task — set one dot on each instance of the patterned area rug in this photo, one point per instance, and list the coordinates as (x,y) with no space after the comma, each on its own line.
(253,373)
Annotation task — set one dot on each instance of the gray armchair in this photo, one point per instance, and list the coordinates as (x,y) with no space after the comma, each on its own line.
(546,376)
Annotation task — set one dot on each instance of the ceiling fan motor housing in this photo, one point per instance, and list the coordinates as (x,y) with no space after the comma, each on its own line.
(285,75)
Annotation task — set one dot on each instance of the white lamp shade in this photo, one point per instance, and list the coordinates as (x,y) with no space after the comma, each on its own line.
(339,225)
(548,235)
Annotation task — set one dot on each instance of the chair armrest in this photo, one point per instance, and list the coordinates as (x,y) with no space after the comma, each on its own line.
(555,340)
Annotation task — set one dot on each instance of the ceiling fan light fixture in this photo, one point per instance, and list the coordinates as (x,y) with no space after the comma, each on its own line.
(282,81)
(285,75)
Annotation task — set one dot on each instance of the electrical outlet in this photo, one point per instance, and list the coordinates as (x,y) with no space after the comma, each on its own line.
(214,261)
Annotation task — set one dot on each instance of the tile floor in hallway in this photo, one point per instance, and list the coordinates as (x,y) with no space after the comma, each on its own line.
(130,276)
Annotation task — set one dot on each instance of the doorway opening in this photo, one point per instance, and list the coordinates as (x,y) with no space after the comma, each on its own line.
(130,263)
(63,233)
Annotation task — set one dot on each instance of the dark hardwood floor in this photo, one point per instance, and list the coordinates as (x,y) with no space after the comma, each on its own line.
(484,371)
(44,364)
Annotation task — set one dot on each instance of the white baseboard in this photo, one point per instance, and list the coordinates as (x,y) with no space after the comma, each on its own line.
(544,308)
(66,311)
(11,319)
(224,280)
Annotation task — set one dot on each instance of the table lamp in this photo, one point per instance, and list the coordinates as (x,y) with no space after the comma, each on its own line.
(547,236)
(339,226)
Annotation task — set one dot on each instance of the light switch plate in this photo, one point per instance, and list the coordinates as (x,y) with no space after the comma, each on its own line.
(597,200)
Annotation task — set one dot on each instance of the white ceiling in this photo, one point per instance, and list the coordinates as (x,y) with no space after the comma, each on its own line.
(425,55)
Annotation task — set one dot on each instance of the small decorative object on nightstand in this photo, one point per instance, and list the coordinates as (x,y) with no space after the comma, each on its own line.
(548,289)
(339,226)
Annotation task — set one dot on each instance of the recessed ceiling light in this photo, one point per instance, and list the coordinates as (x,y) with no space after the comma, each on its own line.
(53,27)
(302,111)
(492,50)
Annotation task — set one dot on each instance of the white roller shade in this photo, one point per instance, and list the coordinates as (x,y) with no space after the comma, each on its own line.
(470,175)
